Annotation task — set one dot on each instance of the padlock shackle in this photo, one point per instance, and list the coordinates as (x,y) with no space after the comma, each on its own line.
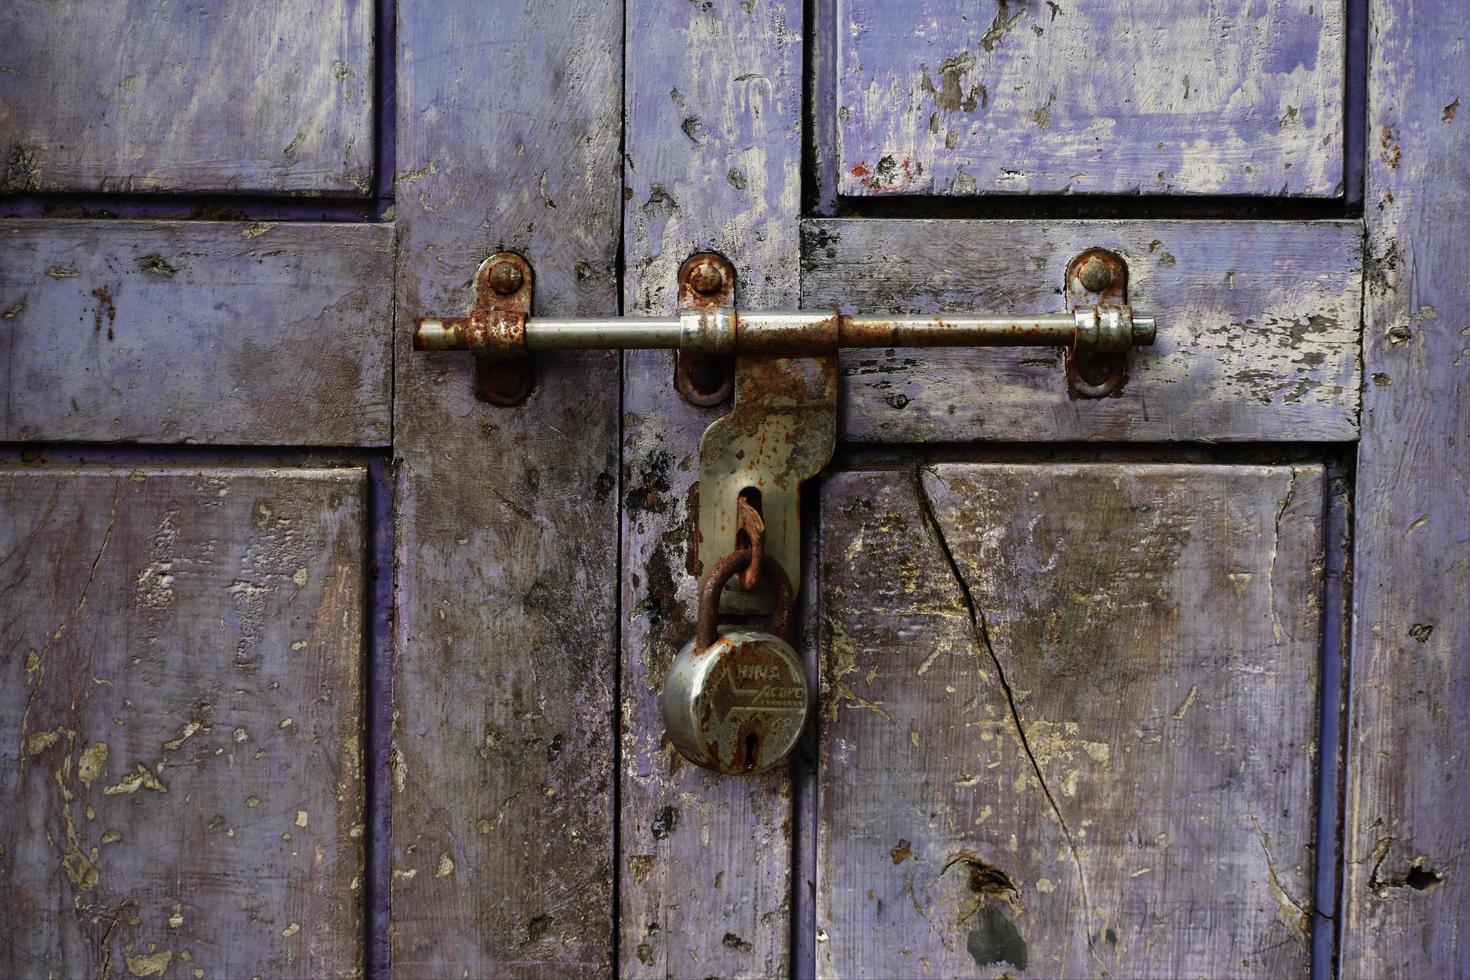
(706,625)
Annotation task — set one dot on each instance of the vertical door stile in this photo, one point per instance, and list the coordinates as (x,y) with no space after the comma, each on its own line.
(713,161)
(1405,906)
(506,563)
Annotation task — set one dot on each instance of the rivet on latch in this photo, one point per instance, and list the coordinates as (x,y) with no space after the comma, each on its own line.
(1095,274)
(706,275)
(506,278)
(706,280)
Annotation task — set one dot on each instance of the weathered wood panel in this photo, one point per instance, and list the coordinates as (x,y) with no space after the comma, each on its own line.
(1406,900)
(132,95)
(170,332)
(713,142)
(180,740)
(1069,717)
(507,573)
(1258,328)
(1154,97)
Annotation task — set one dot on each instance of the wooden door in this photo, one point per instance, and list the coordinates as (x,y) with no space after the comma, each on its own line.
(317,664)
(1085,665)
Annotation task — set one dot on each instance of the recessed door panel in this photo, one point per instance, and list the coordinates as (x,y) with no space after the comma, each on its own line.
(225,95)
(196,331)
(1069,715)
(1024,96)
(180,736)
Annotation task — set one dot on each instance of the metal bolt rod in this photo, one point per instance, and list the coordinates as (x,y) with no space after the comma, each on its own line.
(613,333)
(1053,330)
(725,331)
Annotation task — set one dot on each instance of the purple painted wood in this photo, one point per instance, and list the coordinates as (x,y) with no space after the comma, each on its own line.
(131,95)
(713,144)
(171,332)
(1258,335)
(1069,720)
(506,529)
(181,731)
(1156,97)
(378,712)
(1406,899)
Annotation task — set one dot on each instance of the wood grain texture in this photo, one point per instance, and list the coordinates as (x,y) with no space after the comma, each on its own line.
(1406,900)
(133,95)
(1154,97)
(181,734)
(713,142)
(508,137)
(172,332)
(1258,328)
(1069,717)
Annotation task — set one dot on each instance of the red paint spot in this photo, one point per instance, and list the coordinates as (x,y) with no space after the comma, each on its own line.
(858,170)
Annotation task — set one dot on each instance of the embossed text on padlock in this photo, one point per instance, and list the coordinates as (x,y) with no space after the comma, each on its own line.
(736,699)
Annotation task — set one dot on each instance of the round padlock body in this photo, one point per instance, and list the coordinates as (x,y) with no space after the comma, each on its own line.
(739,706)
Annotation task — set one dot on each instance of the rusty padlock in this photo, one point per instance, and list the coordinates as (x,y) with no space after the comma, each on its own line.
(736,699)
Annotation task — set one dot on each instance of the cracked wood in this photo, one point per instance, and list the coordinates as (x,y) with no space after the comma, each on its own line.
(1060,731)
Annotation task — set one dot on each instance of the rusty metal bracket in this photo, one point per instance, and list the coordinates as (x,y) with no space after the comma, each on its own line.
(1096,279)
(706,281)
(780,432)
(494,331)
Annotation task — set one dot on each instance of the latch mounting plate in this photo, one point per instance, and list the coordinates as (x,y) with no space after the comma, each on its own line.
(781,432)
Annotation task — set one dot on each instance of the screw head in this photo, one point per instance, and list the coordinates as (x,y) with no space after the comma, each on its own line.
(506,278)
(1095,275)
(707,278)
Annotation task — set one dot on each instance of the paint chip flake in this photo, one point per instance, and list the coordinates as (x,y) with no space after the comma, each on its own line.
(93,758)
(139,778)
(149,964)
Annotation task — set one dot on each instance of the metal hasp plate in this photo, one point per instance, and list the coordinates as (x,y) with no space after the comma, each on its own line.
(781,432)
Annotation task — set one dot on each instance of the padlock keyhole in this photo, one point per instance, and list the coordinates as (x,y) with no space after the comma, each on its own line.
(752,742)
